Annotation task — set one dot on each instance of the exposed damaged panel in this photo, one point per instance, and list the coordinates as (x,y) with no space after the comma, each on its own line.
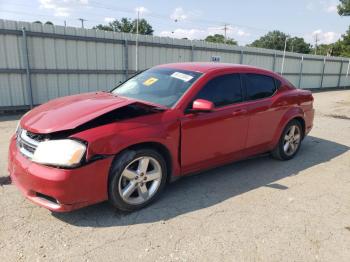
(38,137)
(71,112)
(119,114)
(123,113)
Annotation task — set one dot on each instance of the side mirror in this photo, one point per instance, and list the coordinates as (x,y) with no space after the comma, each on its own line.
(202,105)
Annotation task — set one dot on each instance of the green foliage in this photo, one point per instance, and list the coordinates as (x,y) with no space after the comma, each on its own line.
(344,44)
(276,40)
(298,45)
(217,38)
(127,25)
(272,40)
(46,23)
(344,8)
(339,48)
(328,50)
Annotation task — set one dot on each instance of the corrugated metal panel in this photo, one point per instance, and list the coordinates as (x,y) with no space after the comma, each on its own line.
(332,67)
(294,79)
(103,54)
(311,66)
(330,81)
(310,82)
(345,81)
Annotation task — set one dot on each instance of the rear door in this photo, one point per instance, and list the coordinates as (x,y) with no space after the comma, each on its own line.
(264,114)
(208,138)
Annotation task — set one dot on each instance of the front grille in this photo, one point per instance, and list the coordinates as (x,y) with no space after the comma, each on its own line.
(27,142)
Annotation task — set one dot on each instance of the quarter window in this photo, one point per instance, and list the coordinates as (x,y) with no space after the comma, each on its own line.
(222,90)
(259,86)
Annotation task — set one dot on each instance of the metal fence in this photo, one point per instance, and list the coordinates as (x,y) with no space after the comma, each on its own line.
(42,62)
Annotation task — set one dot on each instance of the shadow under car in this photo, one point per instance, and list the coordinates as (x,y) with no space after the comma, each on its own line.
(211,187)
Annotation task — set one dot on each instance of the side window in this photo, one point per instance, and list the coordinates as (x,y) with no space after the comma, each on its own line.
(222,90)
(259,86)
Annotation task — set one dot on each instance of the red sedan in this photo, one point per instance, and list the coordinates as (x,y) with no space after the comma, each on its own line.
(166,122)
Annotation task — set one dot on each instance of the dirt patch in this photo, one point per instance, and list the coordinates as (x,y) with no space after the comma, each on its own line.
(339,117)
(5,180)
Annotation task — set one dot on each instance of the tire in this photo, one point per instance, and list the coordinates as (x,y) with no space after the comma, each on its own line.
(136,179)
(286,152)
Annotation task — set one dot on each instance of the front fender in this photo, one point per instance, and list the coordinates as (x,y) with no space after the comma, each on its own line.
(111,139)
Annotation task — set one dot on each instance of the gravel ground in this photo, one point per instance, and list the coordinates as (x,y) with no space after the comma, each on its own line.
(255,210)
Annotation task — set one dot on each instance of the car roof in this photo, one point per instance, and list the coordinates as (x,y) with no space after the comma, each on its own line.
(204,67)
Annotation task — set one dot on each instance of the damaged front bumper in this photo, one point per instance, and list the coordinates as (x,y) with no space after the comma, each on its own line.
(58,189)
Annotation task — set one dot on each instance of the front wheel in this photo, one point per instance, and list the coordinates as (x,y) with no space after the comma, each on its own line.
(136,179)
(290,141)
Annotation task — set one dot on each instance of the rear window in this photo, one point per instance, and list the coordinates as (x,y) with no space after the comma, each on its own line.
(259,86)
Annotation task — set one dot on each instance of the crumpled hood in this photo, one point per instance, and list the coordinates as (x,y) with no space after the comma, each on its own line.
(70,112)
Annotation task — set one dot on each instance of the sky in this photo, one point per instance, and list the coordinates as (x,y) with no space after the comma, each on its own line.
(245,20)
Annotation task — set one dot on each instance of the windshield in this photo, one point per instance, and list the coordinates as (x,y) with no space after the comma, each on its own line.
(162,86)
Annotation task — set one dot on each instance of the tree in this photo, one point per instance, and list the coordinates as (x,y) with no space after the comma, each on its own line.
(344,44)
(127,25)
(103,27)
(323,49)
(272,40)
(339,48)
(276,40)
(46,23)
(298,45)
(333,49)
(217,38)
(144,27)
(344,8)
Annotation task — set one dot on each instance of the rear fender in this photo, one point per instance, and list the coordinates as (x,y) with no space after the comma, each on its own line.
(292,113)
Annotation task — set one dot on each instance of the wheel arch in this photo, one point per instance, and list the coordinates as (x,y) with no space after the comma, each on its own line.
(302,123)
(157,146)
(294,114)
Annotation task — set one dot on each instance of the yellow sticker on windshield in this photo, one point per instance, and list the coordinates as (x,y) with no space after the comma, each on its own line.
(150,81)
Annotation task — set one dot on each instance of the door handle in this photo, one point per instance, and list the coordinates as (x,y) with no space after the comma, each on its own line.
(239,112)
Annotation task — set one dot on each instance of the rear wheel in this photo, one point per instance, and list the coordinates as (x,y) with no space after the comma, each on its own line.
(136,179)
(290,141)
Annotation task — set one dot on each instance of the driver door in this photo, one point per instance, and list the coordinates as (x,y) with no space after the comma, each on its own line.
(215,137)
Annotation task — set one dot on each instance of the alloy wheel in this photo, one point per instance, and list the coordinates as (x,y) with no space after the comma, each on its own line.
(140,180)
(292,140)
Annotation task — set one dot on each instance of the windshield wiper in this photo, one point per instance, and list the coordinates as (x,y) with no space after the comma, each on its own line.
(158,109)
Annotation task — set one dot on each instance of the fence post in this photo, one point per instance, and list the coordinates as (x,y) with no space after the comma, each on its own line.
(323,69)
(192,52)
(126,59)
(27,65)
(340,73)
(283,60)
(274,62)
(301,71)
(241,58)
(347,73)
